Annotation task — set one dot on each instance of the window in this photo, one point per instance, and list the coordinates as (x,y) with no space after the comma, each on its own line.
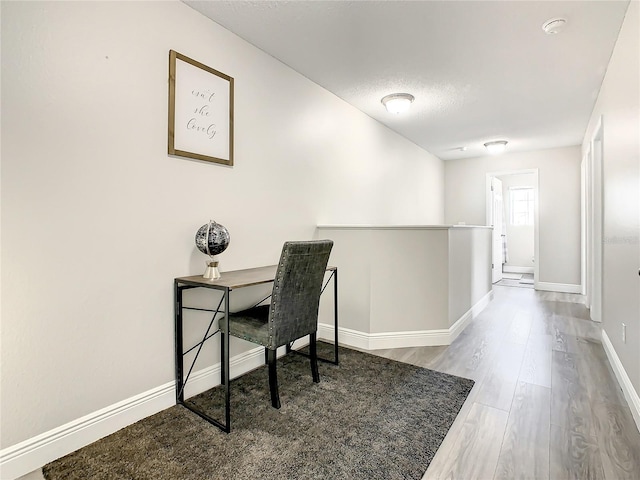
(521,205)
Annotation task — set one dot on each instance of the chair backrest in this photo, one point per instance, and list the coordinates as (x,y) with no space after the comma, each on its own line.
(296,290)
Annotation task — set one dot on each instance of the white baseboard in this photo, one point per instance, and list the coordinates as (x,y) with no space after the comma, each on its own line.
(35,452)
(424,338)
(515,269)
(421,338)
(352,338)
(558,287)
(623,379)
(457,328)
(375,341)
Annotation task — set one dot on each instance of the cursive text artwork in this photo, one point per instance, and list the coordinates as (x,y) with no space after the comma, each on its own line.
(201,120)
(200,111)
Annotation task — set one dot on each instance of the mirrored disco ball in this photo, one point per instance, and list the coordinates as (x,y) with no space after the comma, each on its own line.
(212,238)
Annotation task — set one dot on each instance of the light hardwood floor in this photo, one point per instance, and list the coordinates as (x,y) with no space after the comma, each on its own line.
(545,405)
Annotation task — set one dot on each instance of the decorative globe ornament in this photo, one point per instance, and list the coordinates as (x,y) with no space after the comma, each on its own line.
(212,239)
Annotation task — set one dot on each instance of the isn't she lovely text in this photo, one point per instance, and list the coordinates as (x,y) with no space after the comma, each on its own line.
(200,121)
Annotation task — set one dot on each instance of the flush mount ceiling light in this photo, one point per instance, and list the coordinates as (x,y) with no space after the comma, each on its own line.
(397,102)
(554,25)
(498,146)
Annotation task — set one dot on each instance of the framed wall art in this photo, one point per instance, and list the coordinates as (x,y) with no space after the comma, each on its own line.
(200,111)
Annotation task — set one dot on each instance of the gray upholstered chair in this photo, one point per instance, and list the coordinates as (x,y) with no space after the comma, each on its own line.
(293,311)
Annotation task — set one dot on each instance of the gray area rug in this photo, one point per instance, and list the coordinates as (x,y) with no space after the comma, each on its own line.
(368,418)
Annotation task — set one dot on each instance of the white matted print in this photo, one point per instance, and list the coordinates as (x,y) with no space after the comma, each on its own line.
(200,111)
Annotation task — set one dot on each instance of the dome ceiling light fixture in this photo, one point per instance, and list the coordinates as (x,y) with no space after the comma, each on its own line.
(554,25)
(398,102)
(496,147)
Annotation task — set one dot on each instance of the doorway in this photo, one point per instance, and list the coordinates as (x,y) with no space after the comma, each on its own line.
(512,211)
(593,232)
(497,222)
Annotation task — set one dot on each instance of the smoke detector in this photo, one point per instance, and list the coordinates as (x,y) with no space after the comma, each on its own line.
(554,25)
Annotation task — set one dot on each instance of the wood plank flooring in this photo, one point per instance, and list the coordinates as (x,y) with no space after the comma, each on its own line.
(546,404)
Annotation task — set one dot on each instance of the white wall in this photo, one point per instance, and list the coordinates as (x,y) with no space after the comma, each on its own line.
(97,219)
(520,242)
(409,282)
(469,269)
(619,105)
(559,203)
(408,285)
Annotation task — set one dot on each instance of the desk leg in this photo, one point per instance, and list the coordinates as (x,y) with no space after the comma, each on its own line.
(179,350)
(177,291)
(226,367)
(335,314)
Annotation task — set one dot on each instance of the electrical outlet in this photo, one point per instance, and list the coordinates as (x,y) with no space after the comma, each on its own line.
(624,333)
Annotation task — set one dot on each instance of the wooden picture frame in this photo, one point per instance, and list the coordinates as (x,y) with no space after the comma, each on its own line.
(200,111)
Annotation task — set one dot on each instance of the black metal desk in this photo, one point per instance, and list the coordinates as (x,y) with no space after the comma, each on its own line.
(228,282)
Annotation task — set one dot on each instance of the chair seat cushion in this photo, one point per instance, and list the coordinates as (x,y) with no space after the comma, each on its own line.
(251,325)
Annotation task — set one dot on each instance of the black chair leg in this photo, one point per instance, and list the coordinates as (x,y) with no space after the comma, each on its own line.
(273,378)
(313,356)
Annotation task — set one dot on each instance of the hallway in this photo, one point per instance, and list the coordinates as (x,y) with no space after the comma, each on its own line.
(546,404)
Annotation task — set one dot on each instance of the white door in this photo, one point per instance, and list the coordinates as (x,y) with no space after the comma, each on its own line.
(496,223)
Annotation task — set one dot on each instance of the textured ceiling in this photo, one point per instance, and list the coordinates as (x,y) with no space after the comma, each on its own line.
(479,70)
